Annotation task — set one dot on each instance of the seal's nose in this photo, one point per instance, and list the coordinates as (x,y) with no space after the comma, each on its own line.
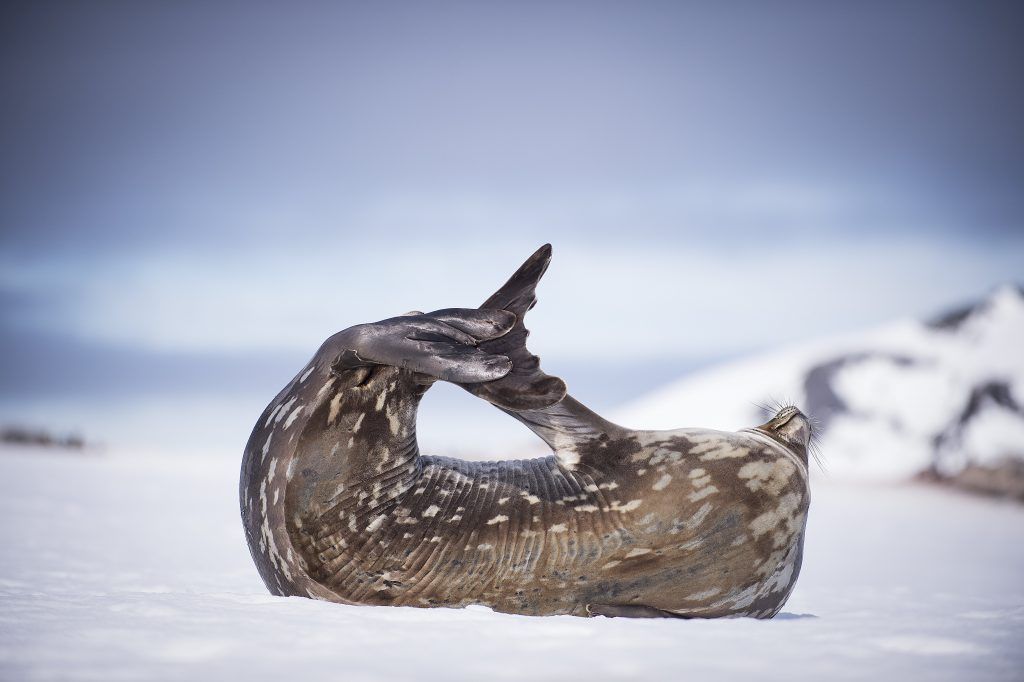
(792,428)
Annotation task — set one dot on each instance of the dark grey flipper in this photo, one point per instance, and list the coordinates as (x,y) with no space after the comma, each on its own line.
(442,344)
(526,386)
(483,350)
(536,399)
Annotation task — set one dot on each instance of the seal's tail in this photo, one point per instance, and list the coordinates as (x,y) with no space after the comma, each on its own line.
(526,386)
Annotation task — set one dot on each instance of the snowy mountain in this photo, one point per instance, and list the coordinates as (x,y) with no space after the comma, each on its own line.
(943,398)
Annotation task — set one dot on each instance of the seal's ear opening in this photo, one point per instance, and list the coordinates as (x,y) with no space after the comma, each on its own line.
(526,386)
(792,428)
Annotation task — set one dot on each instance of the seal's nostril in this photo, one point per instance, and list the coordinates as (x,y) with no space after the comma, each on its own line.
(790,426)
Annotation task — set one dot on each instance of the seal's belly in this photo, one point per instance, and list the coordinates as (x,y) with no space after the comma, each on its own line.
(513,535)
(530,537)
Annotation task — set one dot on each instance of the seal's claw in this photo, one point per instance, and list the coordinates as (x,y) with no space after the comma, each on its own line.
(477,368)
(456,363)
(481,323)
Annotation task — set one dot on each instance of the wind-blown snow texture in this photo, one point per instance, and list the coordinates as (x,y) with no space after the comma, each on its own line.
(891,402)
(135,568)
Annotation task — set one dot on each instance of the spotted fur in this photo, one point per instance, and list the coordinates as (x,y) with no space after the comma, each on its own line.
(338,504)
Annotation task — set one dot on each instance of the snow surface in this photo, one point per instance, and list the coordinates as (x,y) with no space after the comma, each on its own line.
(135,568)
(902,384)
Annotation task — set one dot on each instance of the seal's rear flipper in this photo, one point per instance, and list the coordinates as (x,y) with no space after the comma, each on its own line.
(526,386)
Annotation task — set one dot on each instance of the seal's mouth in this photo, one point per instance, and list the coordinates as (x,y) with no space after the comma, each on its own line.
(791,428)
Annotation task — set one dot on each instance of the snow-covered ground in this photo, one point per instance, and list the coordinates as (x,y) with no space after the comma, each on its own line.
(131,567)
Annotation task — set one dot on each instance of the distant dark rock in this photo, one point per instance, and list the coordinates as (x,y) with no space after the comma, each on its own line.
(821,398)
(1000,479)
(995,393)
(952,319)
(17,435)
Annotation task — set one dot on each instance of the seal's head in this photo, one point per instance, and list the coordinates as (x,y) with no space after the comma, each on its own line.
(790,428)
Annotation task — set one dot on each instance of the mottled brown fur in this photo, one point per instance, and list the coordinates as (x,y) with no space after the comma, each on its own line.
(368,520)
(338,504)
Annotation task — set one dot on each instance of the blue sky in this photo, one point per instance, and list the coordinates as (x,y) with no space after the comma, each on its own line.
(192,196)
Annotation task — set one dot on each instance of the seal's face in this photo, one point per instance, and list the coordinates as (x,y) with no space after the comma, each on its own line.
(791,429)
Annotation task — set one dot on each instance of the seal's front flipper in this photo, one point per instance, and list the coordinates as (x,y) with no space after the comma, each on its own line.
(629,611)
(443,344)
(526,386)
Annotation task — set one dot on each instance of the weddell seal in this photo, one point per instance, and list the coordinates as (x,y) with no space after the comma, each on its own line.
(339,504)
